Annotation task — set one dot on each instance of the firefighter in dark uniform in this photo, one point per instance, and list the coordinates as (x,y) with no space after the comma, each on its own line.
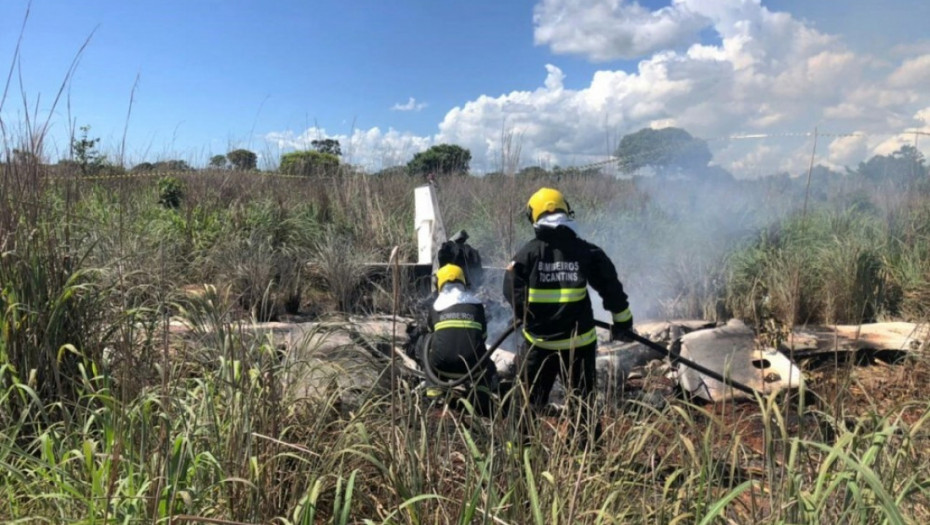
(547,286)
(458,330)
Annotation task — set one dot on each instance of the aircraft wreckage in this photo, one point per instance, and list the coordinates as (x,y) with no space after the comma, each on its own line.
(702,359)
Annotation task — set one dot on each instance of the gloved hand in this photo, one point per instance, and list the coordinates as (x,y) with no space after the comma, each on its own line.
(621,331)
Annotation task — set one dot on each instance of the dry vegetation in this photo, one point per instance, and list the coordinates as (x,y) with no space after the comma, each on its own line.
(106,419)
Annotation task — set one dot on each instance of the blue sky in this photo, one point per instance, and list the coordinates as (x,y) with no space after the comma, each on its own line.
(567,77)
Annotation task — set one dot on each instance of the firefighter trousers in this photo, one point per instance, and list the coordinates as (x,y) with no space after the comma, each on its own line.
(575,367)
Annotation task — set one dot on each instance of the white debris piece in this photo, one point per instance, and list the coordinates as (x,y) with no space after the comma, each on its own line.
(505,362)
(732,351)
(428,223)
(812,340)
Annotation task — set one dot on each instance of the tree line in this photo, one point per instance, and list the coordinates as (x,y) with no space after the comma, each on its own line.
(667,152)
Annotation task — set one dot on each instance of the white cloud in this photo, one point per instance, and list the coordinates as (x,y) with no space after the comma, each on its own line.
(914,72)
(923,115)
(770,74)
(613,29)
(410,105)
(849,150)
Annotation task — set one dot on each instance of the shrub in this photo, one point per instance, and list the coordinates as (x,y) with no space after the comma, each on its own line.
(170,192)
(310,163)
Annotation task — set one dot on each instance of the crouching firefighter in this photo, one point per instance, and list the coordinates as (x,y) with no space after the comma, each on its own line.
(547,286)
(455,348)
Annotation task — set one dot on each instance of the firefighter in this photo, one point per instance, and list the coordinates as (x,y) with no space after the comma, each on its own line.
(457,251)
(456,344)
(547,286)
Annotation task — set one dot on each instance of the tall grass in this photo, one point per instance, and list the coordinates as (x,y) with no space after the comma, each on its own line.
(112,413)
(833,267)
(233,451)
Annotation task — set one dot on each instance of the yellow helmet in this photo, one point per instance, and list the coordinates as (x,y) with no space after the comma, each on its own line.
(546,200)
(449,273)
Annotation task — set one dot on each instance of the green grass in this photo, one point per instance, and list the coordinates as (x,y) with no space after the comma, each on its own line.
(107,418)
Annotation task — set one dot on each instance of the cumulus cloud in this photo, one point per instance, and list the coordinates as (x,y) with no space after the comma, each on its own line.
(848,150)
(765,74)
(614,29)
(371,149)
(410,105)
(913,72)
(770,74)
(923,115)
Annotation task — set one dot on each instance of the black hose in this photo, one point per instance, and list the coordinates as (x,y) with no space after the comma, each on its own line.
(434,378)
(677,359)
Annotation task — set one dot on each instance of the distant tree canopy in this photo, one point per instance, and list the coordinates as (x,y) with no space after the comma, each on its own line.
(442,159)
(330,146)
(162,165)
(218,161)
(172,165)
(242,159)
(904,165)
(310,163)
(391,171)
(533,171)
(662,148)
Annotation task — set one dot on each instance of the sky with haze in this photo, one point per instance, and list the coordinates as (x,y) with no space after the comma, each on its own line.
(568,78)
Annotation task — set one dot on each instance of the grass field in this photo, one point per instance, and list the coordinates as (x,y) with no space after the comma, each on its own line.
(107,419)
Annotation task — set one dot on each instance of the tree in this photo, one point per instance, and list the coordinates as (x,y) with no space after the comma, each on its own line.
(242,159)
(904,165)
(172,165)
(442,159)
(533,171)
(89,160)
(143,167)
(309,163)
(218,161)
(330,146)
(662,148)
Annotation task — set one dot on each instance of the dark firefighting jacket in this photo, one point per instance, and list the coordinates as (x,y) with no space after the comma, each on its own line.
(547,286)
(458,335)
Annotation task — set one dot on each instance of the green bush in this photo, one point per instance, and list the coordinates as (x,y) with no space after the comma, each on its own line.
(309,163)
(170,192)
